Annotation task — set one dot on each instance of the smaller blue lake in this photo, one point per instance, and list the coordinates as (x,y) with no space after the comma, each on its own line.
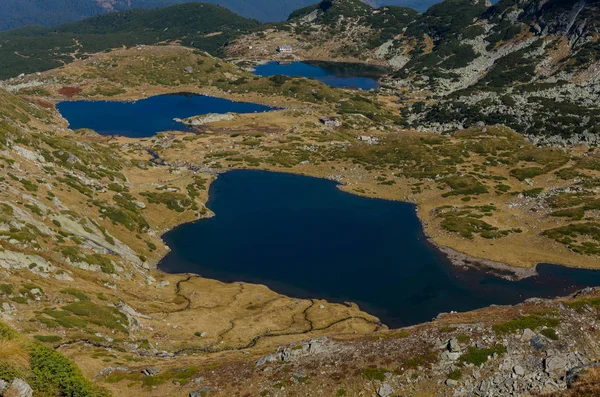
(305,238)
(339,75)
(146,117)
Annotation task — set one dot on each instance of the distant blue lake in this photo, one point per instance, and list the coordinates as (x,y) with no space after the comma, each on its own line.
(146,117)
(339,75)
(305,238)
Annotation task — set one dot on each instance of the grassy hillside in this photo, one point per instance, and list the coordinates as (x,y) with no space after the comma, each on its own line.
(45,370)
(200,25)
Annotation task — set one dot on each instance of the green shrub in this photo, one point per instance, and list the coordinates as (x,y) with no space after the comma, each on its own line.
(55,375)
(532,192)
(76,293)
(455,375)
(526,173)
(477,356)
(532,321)
(580,305)
(174,201)
(371,373)
(549,333)
(6,289)
(103,316)
(48,338)
(7,333)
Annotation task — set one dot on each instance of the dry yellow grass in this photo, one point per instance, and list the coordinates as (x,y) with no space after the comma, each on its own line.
(13,353)
(587,385)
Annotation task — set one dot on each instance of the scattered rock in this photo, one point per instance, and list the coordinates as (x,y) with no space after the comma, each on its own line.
(448,356)
(453,345)
(518,370)
(188,69)
(332,122)
(151,371)
(207,118)
(162,284)
(314,346)
(451,382)
(7,308)
(201,392)
(556,364)
(574,373)
(527,335)
(537,342)
(19,388)
(385,390)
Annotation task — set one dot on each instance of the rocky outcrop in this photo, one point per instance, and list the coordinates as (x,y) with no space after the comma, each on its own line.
(18,388)
(206,119)
(96,240)
(17,260)
(286,354)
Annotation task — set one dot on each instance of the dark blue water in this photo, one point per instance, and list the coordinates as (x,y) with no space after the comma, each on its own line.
(305,238)
(336,75)
(146,117)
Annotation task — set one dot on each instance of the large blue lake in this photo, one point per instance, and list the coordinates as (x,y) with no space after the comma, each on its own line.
(305,238)
(146,117)
(340,75)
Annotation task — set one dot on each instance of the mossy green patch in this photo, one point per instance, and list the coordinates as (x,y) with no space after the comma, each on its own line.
(477,356)
(531,321)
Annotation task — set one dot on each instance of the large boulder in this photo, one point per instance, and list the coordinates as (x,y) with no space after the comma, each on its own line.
(453,346)
(385,390)
(555,365)
(19,388)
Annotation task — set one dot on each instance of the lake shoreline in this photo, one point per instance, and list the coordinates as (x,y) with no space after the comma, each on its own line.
(144,118)
(459,265)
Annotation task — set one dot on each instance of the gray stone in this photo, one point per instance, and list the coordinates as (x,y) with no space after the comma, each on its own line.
(518,370)
(451,382)
(385,390)
(19,388)
(537,342)
(151,371)
(3,385)
(206,119)
(453,345)
(7,307)
(447,356)
(527,335)
(556,364)
(162,284)
(188,69)
(201,392)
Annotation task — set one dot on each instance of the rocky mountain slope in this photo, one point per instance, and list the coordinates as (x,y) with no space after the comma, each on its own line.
(81,214)
(79,233)
(533,66)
